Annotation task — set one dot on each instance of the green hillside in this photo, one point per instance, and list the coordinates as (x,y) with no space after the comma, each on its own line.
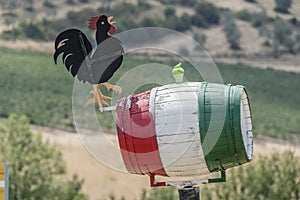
(32,85)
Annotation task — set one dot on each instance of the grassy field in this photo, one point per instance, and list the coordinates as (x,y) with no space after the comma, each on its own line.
(32,85)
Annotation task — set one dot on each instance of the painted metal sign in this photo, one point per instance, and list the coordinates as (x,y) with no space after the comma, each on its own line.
(3,181)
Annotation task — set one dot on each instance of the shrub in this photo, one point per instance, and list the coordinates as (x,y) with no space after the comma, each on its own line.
(282,34)
(48,4)
(201,38)
(171,23)
(169,12)
(9,18)
(244,15)
(294,21)
(80,18)
(259,19)
(184,51)
(32,31)
(297,40)
(35,165)
(10,5)
(44,30)
(70,2)
(29,9)
(188,3)
(209,11)
(164,193)
(231,30)
(272,177)
(199,21)
(125,24)
(25,31)
(148,22)
(123,9)
(183,23)
(283,6)
(143,5)
(265,31)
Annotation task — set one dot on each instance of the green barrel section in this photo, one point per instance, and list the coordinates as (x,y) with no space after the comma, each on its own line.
(225,125)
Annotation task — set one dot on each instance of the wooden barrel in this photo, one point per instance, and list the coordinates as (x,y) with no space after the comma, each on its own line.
(185,129)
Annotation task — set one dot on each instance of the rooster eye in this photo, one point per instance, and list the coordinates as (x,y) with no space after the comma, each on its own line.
(102,22)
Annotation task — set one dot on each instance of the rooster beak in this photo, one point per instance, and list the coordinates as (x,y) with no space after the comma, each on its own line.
(109,19)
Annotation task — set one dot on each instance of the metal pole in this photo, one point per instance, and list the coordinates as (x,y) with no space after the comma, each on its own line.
(189,193)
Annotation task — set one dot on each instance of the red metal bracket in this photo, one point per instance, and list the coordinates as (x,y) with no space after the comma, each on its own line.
(156,184)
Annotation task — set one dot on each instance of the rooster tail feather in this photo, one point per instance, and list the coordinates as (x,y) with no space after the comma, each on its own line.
(68,43)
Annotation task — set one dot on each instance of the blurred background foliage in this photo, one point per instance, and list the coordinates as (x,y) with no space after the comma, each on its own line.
(280,33)
(36,167)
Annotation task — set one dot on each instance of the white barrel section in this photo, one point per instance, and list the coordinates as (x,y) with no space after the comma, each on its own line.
(176,118)
(246,125)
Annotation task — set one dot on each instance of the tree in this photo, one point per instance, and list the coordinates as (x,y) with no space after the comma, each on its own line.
(9,4)
(148,22)
(283,6)
(272,177)
(9,18)
(183,51)
(14,4)
(209,11)
(35,166)
(169,12)
(201,38)
(244,15)
(199,21)
(282,34)
(259,19)
(183,23)
(231,30)
(164,193)
(297,40)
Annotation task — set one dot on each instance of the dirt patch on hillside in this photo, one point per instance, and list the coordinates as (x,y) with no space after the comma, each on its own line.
(102,181)
(46,47)
(286,63)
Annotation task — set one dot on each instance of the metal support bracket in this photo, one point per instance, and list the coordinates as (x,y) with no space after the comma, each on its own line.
(184,183)
(219,180)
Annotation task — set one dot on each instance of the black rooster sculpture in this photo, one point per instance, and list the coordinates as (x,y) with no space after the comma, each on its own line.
(94,66)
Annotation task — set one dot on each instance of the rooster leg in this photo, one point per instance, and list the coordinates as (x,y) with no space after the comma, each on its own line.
(98,98)
(115,88)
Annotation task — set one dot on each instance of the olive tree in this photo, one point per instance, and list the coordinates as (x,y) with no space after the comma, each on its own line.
(36,167)
(283,5)
(270,177)
(231,30)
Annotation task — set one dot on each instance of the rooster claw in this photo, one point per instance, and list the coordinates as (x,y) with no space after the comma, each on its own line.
(115,88)
(93,100)
(102,96)
(98,98)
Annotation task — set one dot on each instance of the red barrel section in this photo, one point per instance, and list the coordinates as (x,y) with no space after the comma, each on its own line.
(137,137)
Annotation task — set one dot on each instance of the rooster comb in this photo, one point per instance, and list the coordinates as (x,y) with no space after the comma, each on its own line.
(93,22)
